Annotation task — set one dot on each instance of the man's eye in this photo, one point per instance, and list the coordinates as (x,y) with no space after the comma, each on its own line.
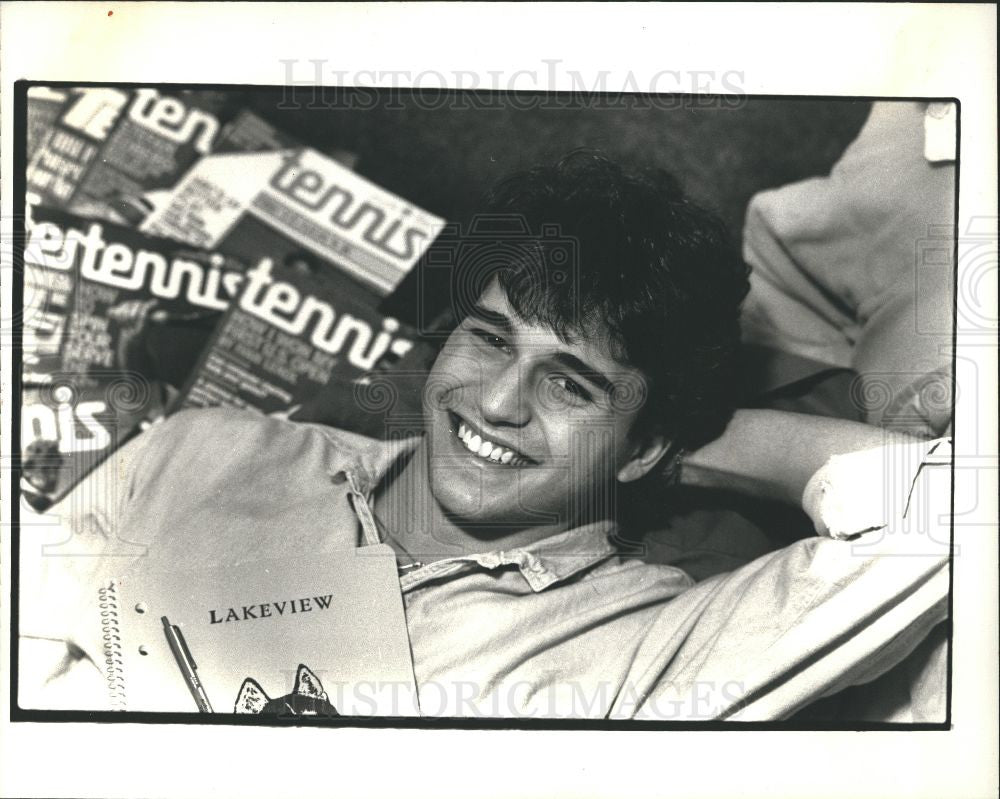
(492,339)
(569,388)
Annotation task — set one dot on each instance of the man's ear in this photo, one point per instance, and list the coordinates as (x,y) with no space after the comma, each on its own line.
(645,455)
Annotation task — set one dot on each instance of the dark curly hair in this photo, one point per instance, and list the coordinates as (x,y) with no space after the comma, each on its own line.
(655,273)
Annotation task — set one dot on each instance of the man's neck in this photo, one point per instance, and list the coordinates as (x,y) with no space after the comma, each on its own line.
(417,527)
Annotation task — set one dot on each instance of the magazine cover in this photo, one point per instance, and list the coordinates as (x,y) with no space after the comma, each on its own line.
(275,203)
(249,132)
(99,148)
(44,106)
(70,426)
(111,318)
(303,334)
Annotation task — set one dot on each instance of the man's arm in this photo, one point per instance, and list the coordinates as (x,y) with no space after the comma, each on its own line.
(821,615)
(773,454)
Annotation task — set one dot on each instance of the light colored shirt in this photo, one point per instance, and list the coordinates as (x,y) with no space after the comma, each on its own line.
(855,268)
(569,626)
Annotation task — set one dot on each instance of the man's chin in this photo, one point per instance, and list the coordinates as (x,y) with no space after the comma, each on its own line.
(459,502)
(482,499)
(479,517)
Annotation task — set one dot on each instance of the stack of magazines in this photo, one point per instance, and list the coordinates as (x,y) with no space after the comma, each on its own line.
(181,252)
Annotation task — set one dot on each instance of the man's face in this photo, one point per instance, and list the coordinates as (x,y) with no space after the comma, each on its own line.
(524,429)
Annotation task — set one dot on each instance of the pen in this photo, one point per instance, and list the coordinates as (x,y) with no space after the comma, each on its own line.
(185,662)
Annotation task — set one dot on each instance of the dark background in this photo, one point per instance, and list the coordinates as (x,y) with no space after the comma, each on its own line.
(442,152)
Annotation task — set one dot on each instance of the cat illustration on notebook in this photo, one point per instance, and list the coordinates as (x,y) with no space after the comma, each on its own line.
(306,699)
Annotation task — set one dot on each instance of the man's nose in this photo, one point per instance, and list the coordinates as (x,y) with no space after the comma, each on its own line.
(503,402)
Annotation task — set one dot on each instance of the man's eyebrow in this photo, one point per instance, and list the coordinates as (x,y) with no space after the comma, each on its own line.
(570,361)
(491,317)
(588,372)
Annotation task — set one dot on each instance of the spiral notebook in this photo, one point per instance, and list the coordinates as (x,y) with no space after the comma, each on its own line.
(295,636)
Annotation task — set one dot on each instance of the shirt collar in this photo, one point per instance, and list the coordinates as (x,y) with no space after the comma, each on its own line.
(560,556)
(364,462)
(369,461)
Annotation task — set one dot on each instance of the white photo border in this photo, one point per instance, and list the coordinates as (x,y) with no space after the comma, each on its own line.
(884,50)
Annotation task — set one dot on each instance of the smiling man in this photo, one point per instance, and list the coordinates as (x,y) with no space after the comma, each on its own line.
(577,369)
(525,431)
(552,402)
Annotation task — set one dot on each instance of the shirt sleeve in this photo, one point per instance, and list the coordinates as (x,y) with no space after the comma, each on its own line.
(826,613)
(868,490)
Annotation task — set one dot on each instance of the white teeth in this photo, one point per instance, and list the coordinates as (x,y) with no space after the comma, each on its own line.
(486,449)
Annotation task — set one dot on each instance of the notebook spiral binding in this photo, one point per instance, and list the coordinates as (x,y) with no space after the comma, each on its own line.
(114,671)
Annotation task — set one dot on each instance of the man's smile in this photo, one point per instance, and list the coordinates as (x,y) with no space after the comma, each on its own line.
(484,446)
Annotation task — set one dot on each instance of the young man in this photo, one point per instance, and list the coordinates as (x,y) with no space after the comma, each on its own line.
(567,382)
(596,348)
